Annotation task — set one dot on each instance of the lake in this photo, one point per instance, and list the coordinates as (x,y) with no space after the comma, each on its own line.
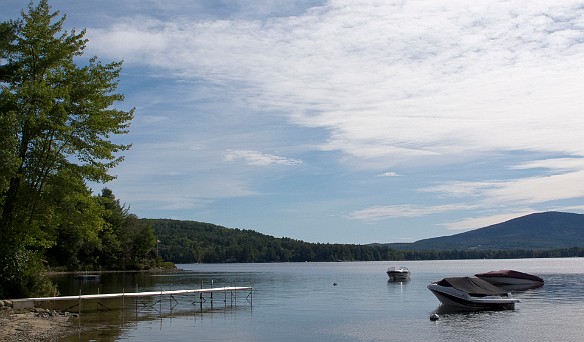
(298,302)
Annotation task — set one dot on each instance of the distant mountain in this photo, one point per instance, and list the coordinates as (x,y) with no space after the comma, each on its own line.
(549,230)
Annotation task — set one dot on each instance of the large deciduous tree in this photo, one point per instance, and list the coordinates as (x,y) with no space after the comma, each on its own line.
(57,121)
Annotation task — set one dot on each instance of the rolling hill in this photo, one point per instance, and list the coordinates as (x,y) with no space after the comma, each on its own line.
(548,230)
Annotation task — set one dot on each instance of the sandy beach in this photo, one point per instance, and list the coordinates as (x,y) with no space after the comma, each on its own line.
(26,325)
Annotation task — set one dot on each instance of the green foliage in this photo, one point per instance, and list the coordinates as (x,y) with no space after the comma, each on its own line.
(56,124)
(138,241)
(22,273)
(491,254)
(122,242)
(166,265)
(197,242)
(58,117)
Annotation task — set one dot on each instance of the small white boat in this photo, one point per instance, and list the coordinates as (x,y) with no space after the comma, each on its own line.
(472,294)
(398,273)
(511,280)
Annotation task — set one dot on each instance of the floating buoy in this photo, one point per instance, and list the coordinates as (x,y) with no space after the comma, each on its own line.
(434,317)
(334,284)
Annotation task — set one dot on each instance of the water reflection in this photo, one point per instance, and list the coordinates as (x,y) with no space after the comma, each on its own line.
(297,302)
(108,282)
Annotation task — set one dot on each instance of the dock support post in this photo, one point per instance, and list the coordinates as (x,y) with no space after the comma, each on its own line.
(79,306)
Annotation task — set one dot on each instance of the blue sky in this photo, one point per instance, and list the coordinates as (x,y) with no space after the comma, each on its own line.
(345,121)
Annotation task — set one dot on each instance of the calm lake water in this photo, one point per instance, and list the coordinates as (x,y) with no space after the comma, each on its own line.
(298,302)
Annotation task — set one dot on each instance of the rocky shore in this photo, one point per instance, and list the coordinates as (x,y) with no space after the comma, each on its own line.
(33,324)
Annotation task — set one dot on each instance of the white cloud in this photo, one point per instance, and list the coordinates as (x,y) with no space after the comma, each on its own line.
(525,191)
(537,189)
(391,79)
(509,196)
(485,221)
(258,159)
(390,174)
(555,164)
(571,208)
(377,213)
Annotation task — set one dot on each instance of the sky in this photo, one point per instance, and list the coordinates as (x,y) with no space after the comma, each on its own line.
(344,121)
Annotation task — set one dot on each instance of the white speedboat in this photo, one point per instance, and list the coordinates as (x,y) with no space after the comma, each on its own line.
(472,294)
(398,273)
(511,280)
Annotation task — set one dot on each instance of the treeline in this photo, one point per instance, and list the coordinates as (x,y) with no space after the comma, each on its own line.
(118,240)
(198,242)
(492,254)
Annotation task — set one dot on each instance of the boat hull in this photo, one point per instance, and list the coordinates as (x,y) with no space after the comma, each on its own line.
(398,274)
(471,294)
(454,301)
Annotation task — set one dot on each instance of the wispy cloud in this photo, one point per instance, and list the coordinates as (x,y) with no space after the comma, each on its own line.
(486,220)
(508,198)
(401,80)
(523,191)
(259,159)
(377,213)
(389,174)
(553,164)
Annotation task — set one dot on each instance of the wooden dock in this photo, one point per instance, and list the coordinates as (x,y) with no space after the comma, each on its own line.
(32,302)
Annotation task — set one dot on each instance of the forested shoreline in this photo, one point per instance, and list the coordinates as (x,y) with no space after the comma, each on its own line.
(199,242)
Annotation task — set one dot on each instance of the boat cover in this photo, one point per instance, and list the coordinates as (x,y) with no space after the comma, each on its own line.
(473,286)
(510,274)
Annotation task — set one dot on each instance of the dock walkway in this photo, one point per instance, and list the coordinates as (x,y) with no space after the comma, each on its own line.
(30,302)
